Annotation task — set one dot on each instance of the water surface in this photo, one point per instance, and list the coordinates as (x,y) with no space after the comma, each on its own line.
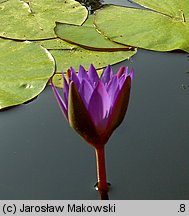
(41,157)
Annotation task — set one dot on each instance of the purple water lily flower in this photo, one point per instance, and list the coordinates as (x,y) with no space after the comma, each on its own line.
(95,106)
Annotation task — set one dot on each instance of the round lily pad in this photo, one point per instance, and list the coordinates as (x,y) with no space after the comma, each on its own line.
(25,68)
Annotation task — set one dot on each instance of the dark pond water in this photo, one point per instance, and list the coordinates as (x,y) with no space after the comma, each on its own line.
(41,157)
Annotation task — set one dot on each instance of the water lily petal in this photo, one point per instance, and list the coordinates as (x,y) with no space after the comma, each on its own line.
(121,71)
(122,80)
(131,74)
(74,77)
(107,74)
(124,76)
(82,73)
(93,76)
(65,90)
(79,117)
(60,101)
(99,106)
(85,91)
(120,105)
(113,89)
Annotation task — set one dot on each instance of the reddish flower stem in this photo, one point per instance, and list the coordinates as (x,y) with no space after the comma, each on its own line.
(101,170)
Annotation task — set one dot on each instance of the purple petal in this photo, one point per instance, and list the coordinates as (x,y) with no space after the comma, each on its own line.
(86,91)
(79,117)
(126,70)
(68,74)
(113,89)
(74,78)
(122,80)
(131,74)
(65,90)
(124,76)
(82,73)
(107,74)
(99,106)
(60,101)
(120,105)
(93,76)
(121,71)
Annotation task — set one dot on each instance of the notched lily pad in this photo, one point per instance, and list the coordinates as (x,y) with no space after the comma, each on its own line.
(87,37)
(35,19)
(25,68)
(55,44)
(164,26)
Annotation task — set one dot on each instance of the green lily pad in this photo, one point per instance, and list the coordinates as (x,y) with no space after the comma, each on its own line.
(57,80)
(163,28)
(79,56)
(25,68)
(35,19)
(1,1)
(87,37)
(56,43)
(186,49)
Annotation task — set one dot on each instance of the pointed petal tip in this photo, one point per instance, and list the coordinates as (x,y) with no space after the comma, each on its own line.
(74,77)
(121,71)
(91,68)
(81,73)
(131,74)
(107,74)
(81,67)
(68,73)
(93,75)
(64,79)
(120,104)
(91,65)
(72,70)
(108,68)
(60,101)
